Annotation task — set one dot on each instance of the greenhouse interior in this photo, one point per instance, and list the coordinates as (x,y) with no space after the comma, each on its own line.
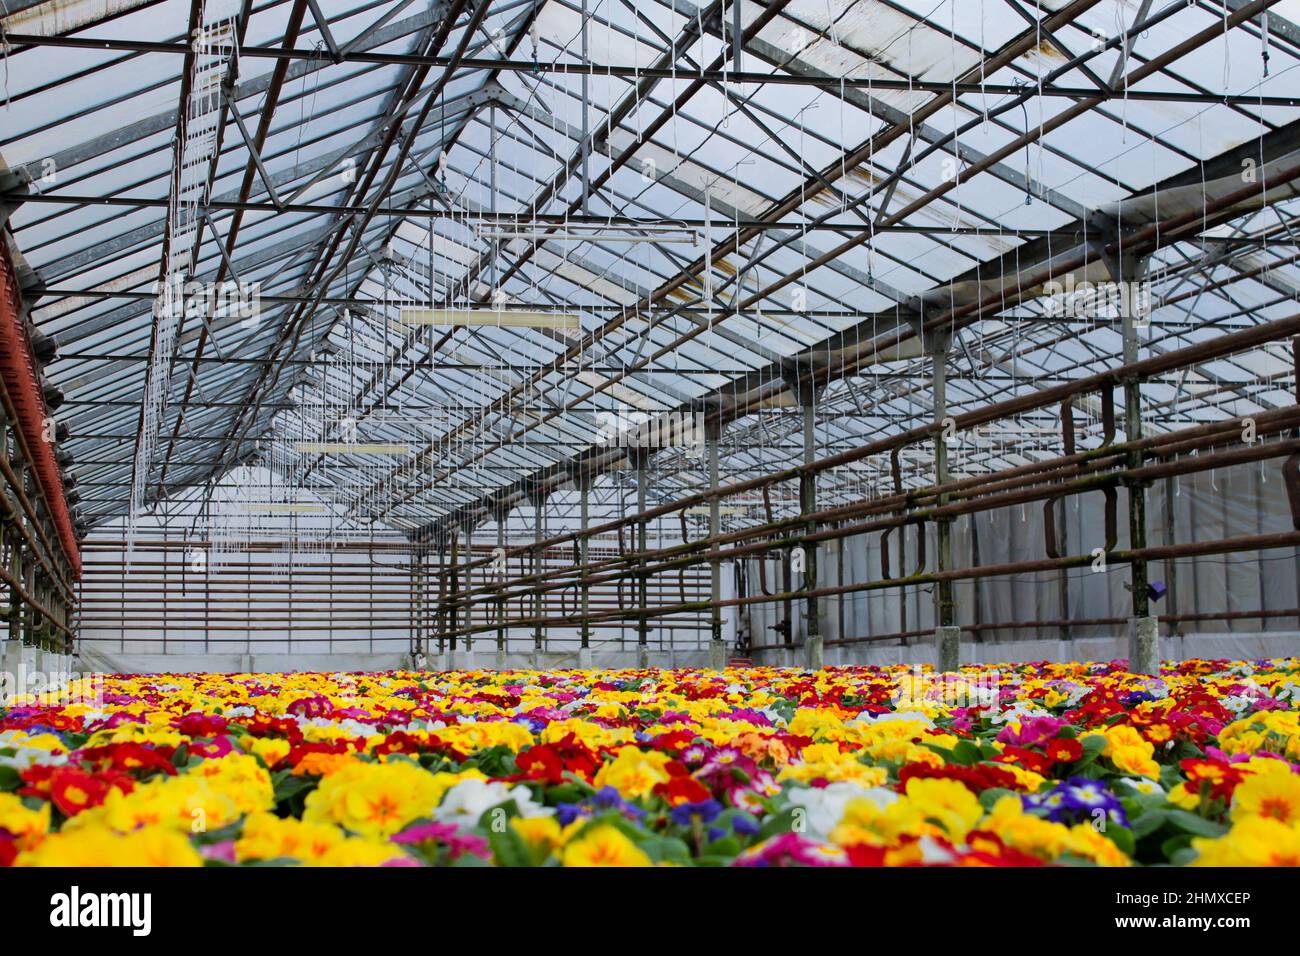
(399,392)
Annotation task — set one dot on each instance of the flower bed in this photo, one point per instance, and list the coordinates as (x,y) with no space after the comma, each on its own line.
(1019,765)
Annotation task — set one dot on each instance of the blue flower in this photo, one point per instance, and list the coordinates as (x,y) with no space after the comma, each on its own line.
(566,813)
(705,811)
(606,797)
(1081,799)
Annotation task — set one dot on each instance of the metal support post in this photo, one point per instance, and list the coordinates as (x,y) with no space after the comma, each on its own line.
(584,482)
(640,459)
(1144,638)
(807,394)
(538,500)
(947,635)
(501,513)
(717,650)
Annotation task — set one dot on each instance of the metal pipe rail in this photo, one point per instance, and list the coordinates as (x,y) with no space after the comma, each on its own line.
(1261,542)
(1062,623)
(781,534)
(1070,474)
(1168,361)
(1036,481)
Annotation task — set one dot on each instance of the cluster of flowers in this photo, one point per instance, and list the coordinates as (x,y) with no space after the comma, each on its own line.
(855,766)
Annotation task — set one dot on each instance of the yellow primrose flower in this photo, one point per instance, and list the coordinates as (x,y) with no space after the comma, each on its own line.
(1252,841)
(808,722)
(318,764)
(239,777)
(129,733)
(326,734)
(593,735)
(1274,730)
(475,736)
(374,800)
(100,846)
(604,845)
(358,852)
(268,837)
(1088,842)
(947,803)
(271,749)
(1025,831)
(1275,796)
(26,825)
(47,742)
(1054,698)
(540,832)
(633,773)
(1129,751)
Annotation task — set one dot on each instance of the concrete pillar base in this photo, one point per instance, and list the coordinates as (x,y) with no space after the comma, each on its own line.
(450,662)
(814,656)
(584,658)
(642,656)
(717,655)
(1143,645)
(12,672)
(947,641)
(501,659)
(246,663)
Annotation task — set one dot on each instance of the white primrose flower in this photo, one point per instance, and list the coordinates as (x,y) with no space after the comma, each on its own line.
(824,806)
(470,799)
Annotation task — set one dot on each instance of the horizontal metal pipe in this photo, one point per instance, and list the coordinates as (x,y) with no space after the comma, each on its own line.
(1188,549)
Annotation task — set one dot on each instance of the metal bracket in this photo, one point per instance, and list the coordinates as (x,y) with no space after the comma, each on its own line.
(1107,414)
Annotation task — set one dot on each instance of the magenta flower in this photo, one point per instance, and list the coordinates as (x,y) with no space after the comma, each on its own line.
(1033,732)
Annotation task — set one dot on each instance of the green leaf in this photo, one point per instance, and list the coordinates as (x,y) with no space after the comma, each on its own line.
(288,787)
(1149,822)
(1183,857)
(1093,745)
(469,859)
(1176,845)
(1191,823)
(509,848)
(9,779)
(775,825)
(668,849)
(1122,837)
(966,753)
(992,795)
(947,755)
(492,814)
(723,846)
(564,793)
